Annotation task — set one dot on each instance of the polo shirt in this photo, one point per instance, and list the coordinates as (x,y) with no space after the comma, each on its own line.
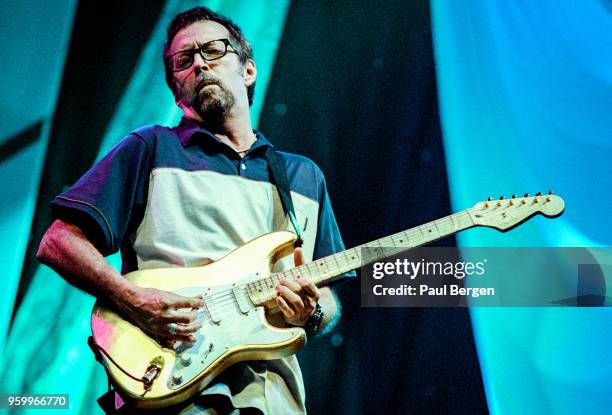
(180,197)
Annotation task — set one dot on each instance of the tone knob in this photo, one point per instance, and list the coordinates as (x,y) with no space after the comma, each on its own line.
(185,359)
(177,378)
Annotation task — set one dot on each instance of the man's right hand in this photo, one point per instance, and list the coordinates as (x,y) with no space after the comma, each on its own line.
(163,315)
(166,316)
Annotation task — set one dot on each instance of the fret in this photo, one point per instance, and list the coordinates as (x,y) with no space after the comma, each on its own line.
(429,236)
(297,272)
(255,295)
(451,217)
(308,270)
(422,234)
(437,228)
(353,259)
(347,258)
(335,258)
(355,255)
(446,226)
(403,239)
(262,291)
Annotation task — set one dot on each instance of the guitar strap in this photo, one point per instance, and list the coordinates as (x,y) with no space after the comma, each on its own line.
(278,174)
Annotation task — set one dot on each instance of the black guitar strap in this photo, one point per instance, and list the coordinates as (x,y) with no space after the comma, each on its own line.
(278,174)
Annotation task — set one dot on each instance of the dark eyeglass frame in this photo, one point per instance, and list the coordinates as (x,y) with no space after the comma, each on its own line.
(200,51)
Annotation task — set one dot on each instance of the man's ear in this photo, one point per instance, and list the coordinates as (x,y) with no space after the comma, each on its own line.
(178,103)
(177,98)
(250,72)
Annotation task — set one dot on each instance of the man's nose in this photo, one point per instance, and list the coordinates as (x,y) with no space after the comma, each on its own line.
(199,62)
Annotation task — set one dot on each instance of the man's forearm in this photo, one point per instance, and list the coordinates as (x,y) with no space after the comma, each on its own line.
(66,249)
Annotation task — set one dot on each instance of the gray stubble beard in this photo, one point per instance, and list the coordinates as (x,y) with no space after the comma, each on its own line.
(216,109)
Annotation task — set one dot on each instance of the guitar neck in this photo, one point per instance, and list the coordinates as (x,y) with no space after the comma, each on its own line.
(324,270)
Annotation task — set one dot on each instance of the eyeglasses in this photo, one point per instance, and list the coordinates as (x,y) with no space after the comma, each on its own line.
(209,51)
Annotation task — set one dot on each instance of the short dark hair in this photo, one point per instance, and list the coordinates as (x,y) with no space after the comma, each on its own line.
(237,39)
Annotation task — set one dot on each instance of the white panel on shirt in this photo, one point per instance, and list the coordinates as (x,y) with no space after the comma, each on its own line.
(194,216)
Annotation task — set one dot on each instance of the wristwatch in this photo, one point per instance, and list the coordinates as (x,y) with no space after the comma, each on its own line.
(314,322)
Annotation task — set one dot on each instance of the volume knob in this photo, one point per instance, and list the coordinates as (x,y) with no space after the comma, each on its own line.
(177,378)
(185,359)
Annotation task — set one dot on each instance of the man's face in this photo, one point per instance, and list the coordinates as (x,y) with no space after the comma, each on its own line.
(210,90)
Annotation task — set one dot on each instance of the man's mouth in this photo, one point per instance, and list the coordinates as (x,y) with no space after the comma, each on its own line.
(206,83)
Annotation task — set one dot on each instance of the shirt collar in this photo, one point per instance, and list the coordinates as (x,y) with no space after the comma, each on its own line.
(190,131)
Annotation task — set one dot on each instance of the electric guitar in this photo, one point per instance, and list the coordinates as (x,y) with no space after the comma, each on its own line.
(235,290)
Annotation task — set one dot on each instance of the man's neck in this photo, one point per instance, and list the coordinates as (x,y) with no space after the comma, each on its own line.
(236,131)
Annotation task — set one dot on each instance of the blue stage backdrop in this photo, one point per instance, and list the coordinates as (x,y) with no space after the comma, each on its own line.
(525,93)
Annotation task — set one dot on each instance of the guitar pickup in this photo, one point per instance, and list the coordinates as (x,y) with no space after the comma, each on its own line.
(211,306)
(241,299)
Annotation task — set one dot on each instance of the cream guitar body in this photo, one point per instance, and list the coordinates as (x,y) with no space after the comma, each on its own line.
(238,286)
(234,330)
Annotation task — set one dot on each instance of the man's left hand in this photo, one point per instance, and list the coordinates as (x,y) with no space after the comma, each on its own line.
(297,299)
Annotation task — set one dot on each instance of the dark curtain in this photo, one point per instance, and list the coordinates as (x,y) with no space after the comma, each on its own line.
(354,89)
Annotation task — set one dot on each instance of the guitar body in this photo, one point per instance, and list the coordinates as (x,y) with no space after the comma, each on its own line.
(234,329)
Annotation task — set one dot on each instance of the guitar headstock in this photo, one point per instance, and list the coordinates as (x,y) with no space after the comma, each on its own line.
(504,214)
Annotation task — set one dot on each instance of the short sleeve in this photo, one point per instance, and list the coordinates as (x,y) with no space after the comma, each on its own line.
(328,240)
(103,201)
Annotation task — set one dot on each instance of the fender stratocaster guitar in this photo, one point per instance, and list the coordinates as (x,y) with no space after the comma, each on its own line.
(235,290)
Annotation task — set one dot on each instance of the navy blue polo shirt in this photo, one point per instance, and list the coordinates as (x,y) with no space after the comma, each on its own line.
(178,196)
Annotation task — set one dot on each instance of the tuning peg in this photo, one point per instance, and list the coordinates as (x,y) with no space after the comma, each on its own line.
(513,196)
(526,195)
(489,199)
(501,198)
(539,194)
(550,192)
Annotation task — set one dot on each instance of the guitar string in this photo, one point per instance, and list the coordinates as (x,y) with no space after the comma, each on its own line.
(226,300)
